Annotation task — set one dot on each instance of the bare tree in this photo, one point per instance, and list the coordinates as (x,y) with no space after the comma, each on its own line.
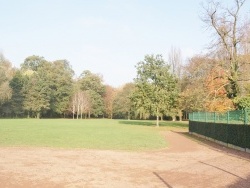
(80,104)
(245,44)
(175,61)
(73,105)
(84,103)
(229,37)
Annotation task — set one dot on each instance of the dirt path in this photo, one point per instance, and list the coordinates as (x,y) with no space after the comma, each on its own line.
(186,163)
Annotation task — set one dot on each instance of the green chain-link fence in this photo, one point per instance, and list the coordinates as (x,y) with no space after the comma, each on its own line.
(230,117)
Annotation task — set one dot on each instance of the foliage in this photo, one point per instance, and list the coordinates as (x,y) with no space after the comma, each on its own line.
(59,76)
(49,88)
(33,63)
(123,107)
(230,34)
(242,102)
(96,103)
(192,86)
(36,95)
(204,86)
(6,73)
(92,84)
(217,100)
(155,91)
(17,84)
(109,97)
(91,81)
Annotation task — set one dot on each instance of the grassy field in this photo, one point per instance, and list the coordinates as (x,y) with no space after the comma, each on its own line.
(91,134)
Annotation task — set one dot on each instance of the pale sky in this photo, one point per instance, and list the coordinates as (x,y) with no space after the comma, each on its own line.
(104,36)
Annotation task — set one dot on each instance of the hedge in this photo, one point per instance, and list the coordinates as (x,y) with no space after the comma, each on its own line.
(238,135)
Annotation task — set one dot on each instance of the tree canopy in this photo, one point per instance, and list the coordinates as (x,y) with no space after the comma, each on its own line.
(215,80)
(156,91)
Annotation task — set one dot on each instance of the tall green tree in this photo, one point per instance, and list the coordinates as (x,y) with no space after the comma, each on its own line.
(36,92)
(33,63)
(156,90)
(96,103)
(59,77)
(122,105)
(91,81)
(17,85)
(49,88)
(93,85)
(6,74)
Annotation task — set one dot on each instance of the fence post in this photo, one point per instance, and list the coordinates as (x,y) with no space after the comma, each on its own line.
(245,127)
(245,116)
(227,117)
(214,117)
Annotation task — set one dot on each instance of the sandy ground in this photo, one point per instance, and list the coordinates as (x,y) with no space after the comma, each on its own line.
(187,163)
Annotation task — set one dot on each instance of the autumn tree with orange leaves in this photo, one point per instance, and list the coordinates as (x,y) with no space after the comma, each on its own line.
(217,100)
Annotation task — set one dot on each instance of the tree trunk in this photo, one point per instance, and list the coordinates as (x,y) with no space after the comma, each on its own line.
(81,112)
(78,110)
(157,117)
(38,115)
(180,115)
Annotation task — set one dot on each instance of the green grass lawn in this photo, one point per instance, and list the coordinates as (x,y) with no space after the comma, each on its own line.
(91,134)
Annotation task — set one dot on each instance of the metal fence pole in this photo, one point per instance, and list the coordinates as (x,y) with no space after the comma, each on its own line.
(214,117)
(245,117)
(227,117)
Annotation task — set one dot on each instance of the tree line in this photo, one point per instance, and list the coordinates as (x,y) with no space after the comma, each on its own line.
(214,81)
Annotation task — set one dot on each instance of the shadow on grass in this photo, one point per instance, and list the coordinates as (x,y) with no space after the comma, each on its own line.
(152,123)
(137,122)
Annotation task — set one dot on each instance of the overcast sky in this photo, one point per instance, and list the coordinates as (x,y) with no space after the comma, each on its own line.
(104,36)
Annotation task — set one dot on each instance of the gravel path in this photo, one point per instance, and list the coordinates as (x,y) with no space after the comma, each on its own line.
(186,163)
